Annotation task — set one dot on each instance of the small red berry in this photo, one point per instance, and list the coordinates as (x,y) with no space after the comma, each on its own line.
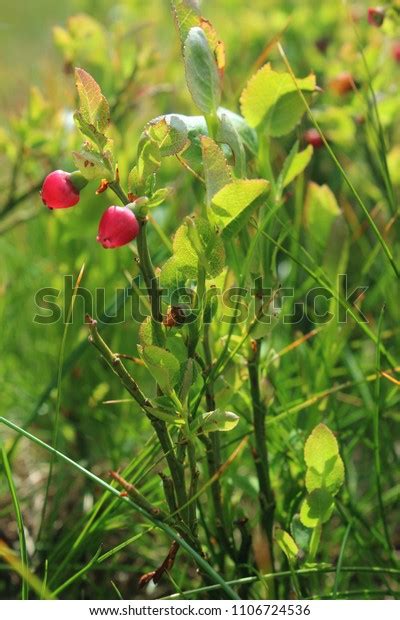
(396,51)
(61,189)
(376,15)
(118,226)
(342,83)
(312,136)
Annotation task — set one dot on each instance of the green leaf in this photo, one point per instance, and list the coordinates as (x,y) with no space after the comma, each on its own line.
(162,365)
(218,420)
(247,134)
(300,533)
(188,377)
(161,138)
(296,165)
(201,71)
(182,265)
(200,244)
(173,274)
(266,323)
(90,131)
(63,41)
(93,106)
(272,99)
(325,469)
(336,253)
(207,244)
(92,165)
(228,134)
(149,158)
(186,17)
(175,343)
(141,179)
(317,508)
(217,173)
(183,249)
(320,212)
(165,402)
(234,202)
(169,133)
(287,544)
(85,40)
(159,196)
(186,131)
(147,334)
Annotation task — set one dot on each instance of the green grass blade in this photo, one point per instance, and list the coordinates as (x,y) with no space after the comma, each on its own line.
(169,531)
(60,375)
(20,523)
(78,574)
(339,166)
(340,559)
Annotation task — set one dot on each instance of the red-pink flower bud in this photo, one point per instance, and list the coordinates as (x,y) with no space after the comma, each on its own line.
(61,189)
(312,136)
(118,226)
(376,15)
(342,83)
(396,51)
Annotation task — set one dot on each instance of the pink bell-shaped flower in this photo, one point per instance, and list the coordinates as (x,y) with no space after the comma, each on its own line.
(61,189)
(118,226)
(376,16)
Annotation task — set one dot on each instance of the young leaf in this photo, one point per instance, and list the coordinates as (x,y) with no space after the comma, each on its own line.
(297,165)
(234,202)
(320,212)
(272,99)
(148,163)
(207,245)
(149,158)
(186,17)
(147,333)
(217,46)
(316,508)
(300,533)
(159,196)
(162,365)
(174,275)
(165,403)
(94,106)
(186,131)
(202,244)
(188,377)
(175,343)
(85,39)
(92,165)
(287,544)
(183,264)
(325,469)
(90,131)
(217,173)
(228,134)
(169,133)
(202,75)
(267,322)
(218,420)
(247,134)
